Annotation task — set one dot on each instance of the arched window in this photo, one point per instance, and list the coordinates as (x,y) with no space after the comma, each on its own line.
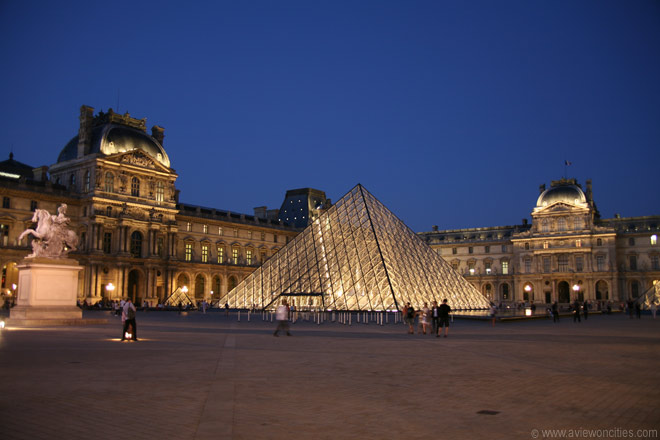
(199,287)
(109,182)
(135,187)
(216,285)
(72,180)
(160,192)
(136,244)
(86,183)
(561,224)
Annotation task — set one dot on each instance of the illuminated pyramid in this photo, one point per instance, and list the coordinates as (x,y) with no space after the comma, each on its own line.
(357,255)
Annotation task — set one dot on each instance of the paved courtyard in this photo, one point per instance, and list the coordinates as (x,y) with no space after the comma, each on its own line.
(211,377)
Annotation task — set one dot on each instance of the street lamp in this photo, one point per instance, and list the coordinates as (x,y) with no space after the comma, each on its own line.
(110,287)
(184,289)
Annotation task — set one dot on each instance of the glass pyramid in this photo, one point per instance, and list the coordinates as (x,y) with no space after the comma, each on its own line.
(357,255)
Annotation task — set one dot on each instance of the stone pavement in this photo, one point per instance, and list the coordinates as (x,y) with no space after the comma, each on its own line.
(211,377)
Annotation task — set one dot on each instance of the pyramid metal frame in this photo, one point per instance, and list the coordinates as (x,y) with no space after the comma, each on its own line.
(357,255)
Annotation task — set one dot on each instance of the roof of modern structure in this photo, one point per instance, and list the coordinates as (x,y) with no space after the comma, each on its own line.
(15,169)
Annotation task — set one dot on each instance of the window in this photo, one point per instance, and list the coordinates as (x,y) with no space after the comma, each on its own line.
(578,243)
(561,224)
(219,230)
(107,242)
(135,187)
(505,291)
(599,242)
(263,256)
(248,257)
(634,289)
(470,250)
(188,227)
(136,244)
(600,263)
(188,252)
(72,180)
(545,227)
(503,248)
(528,265)
(454,265)
(86,185)
(454,251)
(159,246)
(5,202)
(577,223)
(562,263)
(221,255)
(109,182)
(249,235)
(633,262)
(487,266)
(160,192)
(108,211)
(654,240)
(505,267)
(263,236)
(205,253)
(546,245)
(546,264)
(526,246)
(234,255)
(4,234)
(579,263)
(33,205)
(655,262)
(206,229)
(631,241)
(83,241)
(275,238)
(235,232)
(487,249)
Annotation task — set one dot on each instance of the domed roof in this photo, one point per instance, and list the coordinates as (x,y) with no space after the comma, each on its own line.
(115,138)
(566,193)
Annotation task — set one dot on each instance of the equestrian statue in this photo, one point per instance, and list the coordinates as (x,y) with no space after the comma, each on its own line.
(52,238)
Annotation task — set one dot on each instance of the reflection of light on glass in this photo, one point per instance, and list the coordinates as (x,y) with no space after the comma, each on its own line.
(184,289)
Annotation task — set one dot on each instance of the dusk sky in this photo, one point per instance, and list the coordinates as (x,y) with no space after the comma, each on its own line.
(452,113)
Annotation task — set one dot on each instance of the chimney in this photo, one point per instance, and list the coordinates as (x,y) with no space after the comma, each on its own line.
(40,173)
(158,133)
(85,131)
(434,228)
(524,222)
(541,188)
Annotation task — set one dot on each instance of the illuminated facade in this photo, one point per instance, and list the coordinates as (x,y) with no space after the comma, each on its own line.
(566,252)
(356,255)
(137,239)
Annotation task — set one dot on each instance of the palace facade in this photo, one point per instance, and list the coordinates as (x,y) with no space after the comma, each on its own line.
(567,252)
(136,239)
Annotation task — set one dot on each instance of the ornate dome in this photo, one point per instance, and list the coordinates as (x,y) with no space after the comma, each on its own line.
(567,193)
(111,133)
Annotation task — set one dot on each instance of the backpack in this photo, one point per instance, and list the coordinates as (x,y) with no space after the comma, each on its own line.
(130,314)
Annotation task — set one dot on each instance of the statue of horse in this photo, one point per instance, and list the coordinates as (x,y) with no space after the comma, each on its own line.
(51,238)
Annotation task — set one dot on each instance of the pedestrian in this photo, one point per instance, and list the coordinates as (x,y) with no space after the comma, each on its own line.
(444,311)
(654,308)
(493,313)
(638,310)
(435,317)
(630,308)
(226,309)
(555,312)
(585,309)
(282,316)
(423,319)
(410,318)
(128,318)
(576,311)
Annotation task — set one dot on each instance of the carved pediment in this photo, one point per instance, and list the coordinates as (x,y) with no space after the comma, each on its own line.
(138,158)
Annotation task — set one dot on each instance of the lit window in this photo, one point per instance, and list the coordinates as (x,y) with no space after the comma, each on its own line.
(546,245)
(487,265)
(221,255)
(135,187)
(188,226)
(250,235)
(505,267)
(205,253)
(234,255)
(160,192)
(4,234)
(188,254)
(219,230)
(654,240)
(263,236)
(248,257)
(578,243)
(235,232)
(206,229)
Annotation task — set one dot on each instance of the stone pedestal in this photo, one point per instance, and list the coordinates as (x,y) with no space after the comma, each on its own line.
(47,292)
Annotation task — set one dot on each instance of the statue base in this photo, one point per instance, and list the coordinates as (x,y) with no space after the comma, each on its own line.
(47,293)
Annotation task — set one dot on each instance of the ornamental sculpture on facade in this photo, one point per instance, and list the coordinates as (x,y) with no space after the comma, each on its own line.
(52,238)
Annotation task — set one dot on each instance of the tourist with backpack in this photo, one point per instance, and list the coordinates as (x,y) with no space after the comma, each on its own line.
(128,318)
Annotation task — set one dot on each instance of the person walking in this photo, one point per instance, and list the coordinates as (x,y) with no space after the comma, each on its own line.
(410,318)
(585,309)
(576,311)
(423,319)
(493,313)
(435,317)
(444,310)
(555,312)
(128,318)
(282,316)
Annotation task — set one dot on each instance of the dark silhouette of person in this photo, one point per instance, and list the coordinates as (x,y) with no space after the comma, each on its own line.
(576,311)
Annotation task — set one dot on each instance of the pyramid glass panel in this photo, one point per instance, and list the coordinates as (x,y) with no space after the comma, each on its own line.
(356,256)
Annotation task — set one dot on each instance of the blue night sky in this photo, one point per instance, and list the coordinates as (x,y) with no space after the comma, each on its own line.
(452,113)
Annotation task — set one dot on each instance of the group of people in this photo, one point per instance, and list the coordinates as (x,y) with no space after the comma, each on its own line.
(431,319)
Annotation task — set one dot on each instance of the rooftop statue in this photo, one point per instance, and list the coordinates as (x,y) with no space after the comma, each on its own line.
(51,238)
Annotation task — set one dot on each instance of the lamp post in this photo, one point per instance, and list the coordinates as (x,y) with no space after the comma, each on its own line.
(109,288)
(528,290)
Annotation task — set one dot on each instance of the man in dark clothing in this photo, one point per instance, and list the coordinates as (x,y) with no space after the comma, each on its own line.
(555,312)
(576,311)
(410,318)
(435,318)
(444,311)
